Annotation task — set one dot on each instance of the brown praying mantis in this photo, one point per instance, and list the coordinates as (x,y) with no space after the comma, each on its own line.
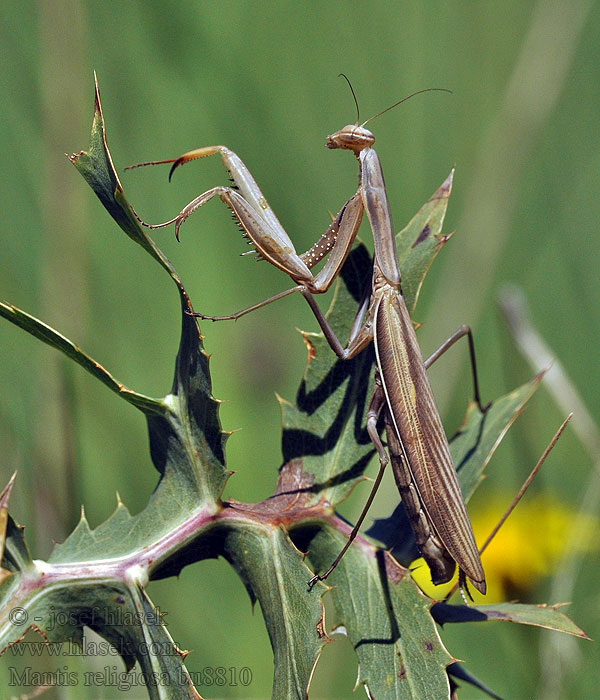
(417,444)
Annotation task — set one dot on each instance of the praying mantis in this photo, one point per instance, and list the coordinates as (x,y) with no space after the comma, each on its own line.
(418,448)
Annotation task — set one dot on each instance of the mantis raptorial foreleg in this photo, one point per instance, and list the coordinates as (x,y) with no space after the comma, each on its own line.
(263,229)
(417,443)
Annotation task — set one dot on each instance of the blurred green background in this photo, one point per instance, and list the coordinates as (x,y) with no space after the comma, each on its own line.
(522,130)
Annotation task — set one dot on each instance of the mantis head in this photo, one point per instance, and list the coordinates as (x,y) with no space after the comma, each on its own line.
(352,137)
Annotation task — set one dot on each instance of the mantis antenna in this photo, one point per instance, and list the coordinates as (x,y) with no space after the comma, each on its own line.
(418,92)
(345,77)
(387,109)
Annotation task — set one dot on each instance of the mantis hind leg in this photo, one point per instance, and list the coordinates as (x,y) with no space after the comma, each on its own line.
(446,345)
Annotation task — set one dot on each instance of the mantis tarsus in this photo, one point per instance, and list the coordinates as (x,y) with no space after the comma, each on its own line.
(417,445)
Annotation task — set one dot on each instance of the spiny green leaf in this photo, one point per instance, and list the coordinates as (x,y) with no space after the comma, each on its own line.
(188,445)
(540,615)
(421,240)
(274,573)
(325,426)
(387,620)
(122,614)
(158,655)
(118,536)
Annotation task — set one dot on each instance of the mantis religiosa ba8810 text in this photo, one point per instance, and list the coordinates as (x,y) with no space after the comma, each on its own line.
(417,445)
